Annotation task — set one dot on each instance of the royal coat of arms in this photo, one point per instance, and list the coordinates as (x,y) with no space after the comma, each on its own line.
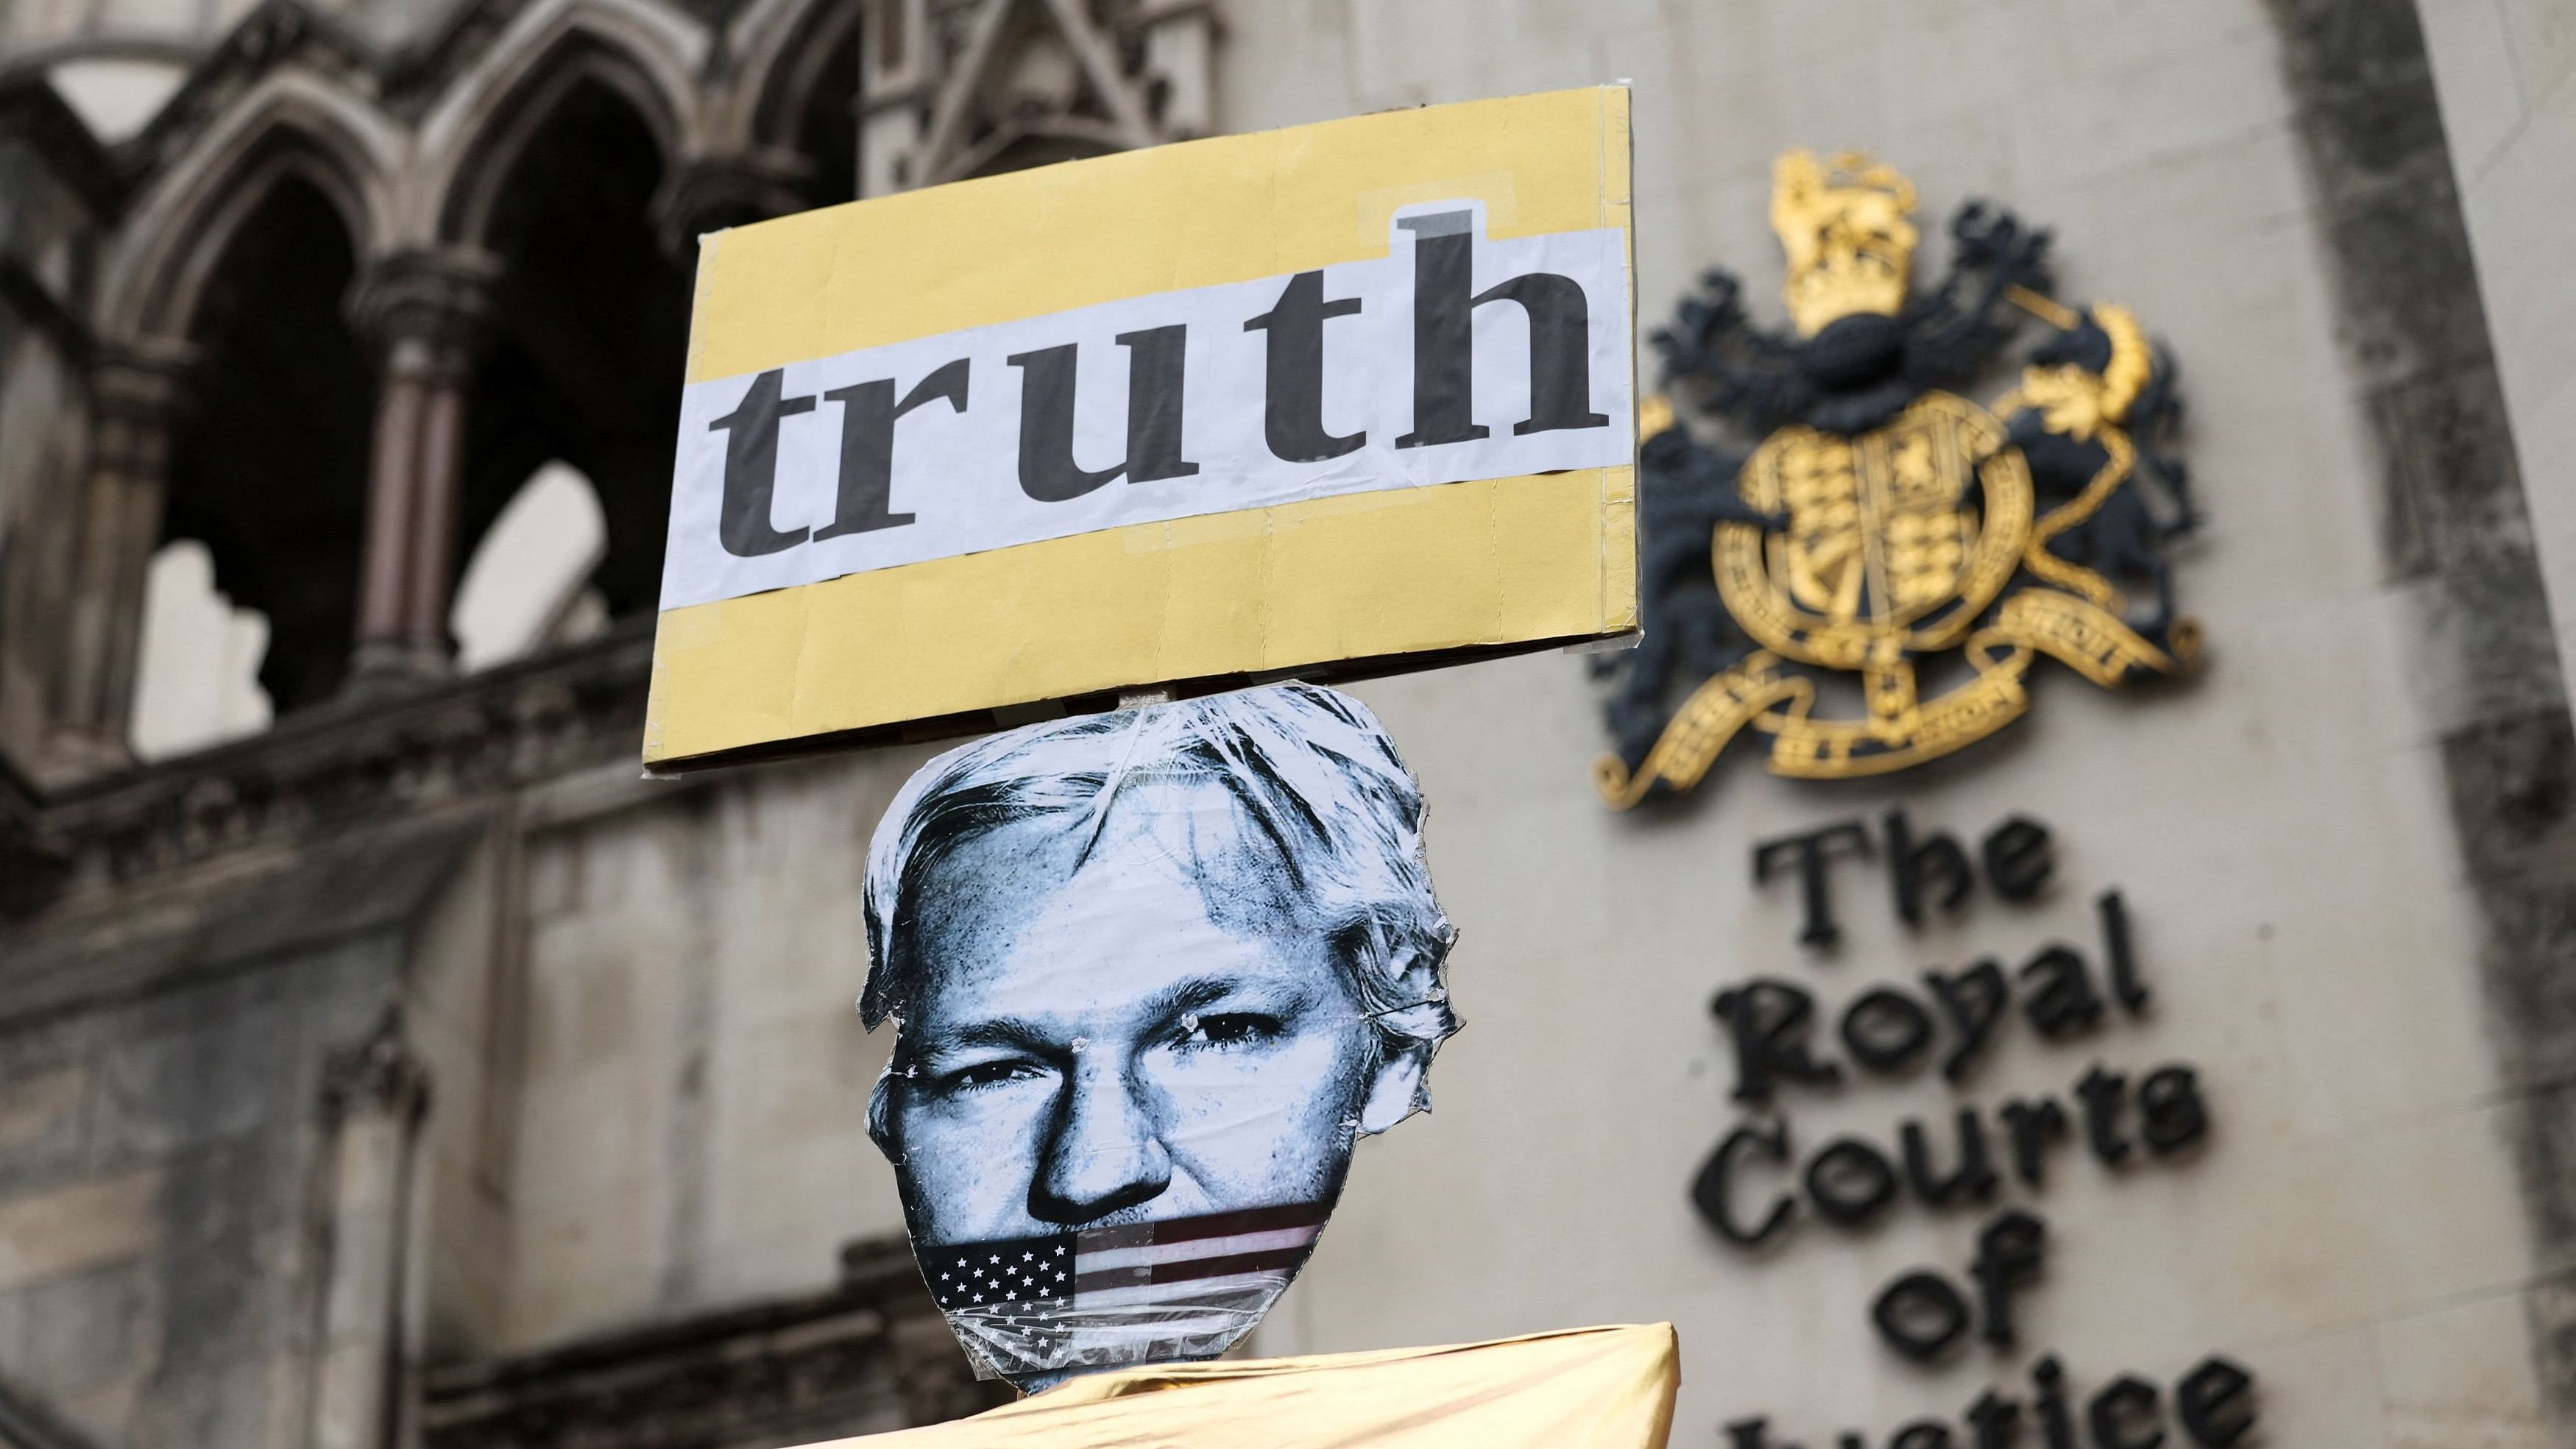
(1888,540)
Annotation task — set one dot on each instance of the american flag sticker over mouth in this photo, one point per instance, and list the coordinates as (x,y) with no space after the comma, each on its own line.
(1152,1264)
(1179,1288)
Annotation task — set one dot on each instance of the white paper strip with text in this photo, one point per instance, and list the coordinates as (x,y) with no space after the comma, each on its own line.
(1455,357)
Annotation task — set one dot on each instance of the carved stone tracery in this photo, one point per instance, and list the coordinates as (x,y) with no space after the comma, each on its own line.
(410,152)
(966,86)
(410,147)
(945,87)
(137,393)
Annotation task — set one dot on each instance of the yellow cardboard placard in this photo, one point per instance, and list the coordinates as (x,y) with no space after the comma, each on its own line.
(1322,587)
(1585,1388)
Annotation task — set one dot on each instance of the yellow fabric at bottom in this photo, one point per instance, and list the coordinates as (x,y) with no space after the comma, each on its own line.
(1583,1388)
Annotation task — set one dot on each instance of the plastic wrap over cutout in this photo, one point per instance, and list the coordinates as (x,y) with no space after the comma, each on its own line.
(1153,974)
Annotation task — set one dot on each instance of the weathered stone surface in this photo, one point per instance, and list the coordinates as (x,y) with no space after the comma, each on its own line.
(2347,845)
(2417,331)
(157,1158)
(78,1226)
(869,1356)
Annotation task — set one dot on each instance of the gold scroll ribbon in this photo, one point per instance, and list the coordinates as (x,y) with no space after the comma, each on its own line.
(1700,729)
(2081,635)
(1843,749)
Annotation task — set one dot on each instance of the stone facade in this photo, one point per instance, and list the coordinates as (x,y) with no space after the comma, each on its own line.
(413,1073)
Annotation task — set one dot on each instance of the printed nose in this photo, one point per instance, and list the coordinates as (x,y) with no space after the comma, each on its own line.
(1104,1154)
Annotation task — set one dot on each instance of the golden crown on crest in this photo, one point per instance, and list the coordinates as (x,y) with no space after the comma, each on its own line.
(1845,224)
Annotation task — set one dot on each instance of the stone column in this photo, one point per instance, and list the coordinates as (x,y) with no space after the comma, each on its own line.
(899,56)
(423,312)
(1180,51)
(375,1097)
(136,394)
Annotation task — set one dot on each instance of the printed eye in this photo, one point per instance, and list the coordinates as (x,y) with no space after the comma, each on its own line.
(1231,1029)
(990,1074)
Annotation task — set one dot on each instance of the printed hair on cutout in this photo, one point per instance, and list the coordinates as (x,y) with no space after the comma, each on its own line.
(1311,772)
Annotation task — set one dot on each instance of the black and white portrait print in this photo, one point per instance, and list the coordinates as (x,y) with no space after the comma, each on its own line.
(1152,973)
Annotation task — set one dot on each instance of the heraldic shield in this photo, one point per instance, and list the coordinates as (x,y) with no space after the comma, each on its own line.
(1886,529)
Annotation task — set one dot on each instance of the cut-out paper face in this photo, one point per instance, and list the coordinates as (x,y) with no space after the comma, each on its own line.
(1153,973)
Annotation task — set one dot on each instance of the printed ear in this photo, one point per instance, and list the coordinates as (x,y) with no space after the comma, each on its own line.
(881,1114)
(1395,1089)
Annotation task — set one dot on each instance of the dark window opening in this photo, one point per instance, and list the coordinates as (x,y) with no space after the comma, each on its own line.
(269,469)
(590,338)
(827,129)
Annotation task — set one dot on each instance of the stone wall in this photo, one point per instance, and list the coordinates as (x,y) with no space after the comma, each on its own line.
(163,1132)
(416,1070)
(2506,70)
(2336,842)
(2460,539)
(2334,902)
(687,1131)
(2341,845)
(54,178)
